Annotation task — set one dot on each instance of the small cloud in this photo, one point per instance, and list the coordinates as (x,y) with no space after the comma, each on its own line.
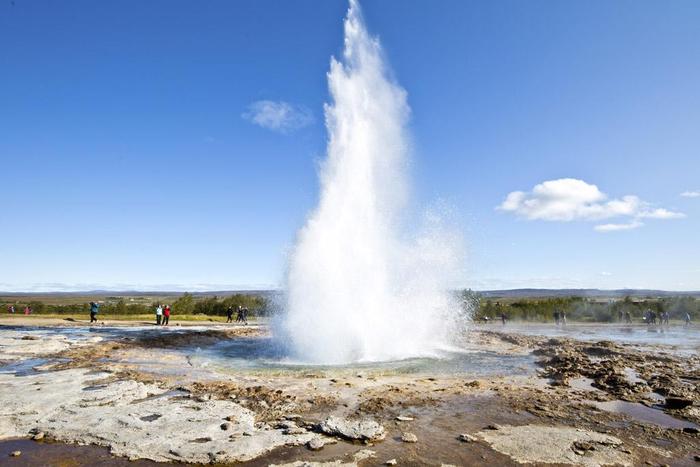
(570,199)
(691,194)
(278,115)
(606,273)
(661,213)
(616,227)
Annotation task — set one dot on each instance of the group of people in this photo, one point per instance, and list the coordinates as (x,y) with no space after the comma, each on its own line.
(651,317)
(241,317)
(27,309)
(162,315)
(660,317)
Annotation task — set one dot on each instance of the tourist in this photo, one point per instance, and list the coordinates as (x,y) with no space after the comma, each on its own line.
(687,318)
(245,315)
(556,317)
(94,309)
(628,317)
(166,315)
(503,318)
(229,314)
(239,315)
(159,314)
(11,309)
(666,317)
(563,318)
(27,310)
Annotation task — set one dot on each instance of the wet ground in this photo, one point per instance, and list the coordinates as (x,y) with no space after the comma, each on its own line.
(602,394)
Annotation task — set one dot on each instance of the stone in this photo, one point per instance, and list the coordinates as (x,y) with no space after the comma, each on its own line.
(391,462)
(38,436)
(286,424)
(315,444)
(403,418)
(363,430)
(555,445)
(467,438)
(409,438)
(226,426)
(16,453)
(677,402)
(691,429)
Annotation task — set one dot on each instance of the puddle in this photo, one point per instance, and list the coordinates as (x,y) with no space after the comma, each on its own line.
(643,413)
(583,384)
(23,367)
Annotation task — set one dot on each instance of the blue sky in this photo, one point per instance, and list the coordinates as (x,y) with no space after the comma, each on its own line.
(171,144)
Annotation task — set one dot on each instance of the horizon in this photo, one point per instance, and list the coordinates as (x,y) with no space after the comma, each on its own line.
(176,145)
(153,291)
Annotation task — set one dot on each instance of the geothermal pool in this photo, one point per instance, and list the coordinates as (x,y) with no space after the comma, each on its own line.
(263,355)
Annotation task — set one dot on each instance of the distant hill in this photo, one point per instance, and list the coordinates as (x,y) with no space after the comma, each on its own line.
(597,293)
(510,293)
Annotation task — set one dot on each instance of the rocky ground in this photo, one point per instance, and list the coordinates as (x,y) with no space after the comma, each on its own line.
(584,403)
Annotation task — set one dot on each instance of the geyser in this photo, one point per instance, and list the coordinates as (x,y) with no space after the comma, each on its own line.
(364,284)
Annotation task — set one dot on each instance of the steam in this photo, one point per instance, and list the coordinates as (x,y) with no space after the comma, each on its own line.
(358,288)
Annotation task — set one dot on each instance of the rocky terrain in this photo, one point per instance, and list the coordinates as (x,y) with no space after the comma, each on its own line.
(138,394)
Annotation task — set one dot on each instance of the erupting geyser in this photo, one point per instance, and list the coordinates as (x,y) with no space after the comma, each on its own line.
(362,285)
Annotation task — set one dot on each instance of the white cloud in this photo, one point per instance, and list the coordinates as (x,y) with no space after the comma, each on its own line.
(617,227)
(570,199)
(660,213)
(606,273)
(278,115)
(691,194)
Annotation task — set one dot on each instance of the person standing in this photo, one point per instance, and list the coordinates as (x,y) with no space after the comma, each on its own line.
(11,309)
(159,314)
(245,315)
(94,309)
(687,318)
(27,310)
(166,315)
(239,315)
(229,314)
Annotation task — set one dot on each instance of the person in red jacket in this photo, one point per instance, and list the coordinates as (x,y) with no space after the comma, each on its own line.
(166,315)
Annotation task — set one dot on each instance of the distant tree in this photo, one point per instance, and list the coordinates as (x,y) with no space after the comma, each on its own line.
(184,305)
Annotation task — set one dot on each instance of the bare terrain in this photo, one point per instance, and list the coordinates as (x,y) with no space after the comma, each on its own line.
(142,395)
